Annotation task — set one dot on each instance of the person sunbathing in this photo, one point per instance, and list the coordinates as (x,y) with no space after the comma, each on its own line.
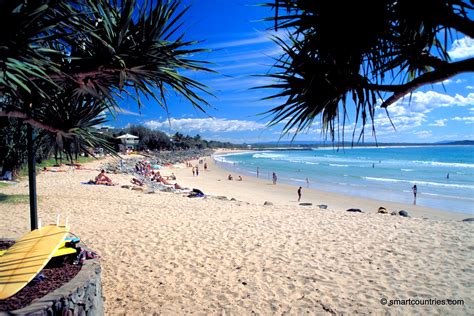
(178,187)
(137,181)
(53,170)
(156,177)
(163,180)
(103,179)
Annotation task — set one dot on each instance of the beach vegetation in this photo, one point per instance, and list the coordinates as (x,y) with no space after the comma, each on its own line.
(156,140)
(14,198)
(64,66)
(363,53)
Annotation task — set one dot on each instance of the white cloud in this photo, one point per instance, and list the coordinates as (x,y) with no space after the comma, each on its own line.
(256,55)
(441,122)
(127,112)
(470,87)
(200,125)
(425,102)
(239,82)
(424,134)
(401,122)
(467,119)
(445,82)
(261,37)
(462,48)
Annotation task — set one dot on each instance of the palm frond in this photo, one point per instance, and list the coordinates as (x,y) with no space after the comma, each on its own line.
(339,50)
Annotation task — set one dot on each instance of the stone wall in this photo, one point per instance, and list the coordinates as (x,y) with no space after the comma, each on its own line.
(80,296)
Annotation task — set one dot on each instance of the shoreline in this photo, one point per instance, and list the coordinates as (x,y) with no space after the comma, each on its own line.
(258,190)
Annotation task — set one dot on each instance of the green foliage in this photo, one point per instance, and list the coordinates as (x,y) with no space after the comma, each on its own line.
(360,50)
(64,64)
(12,144)
(14,198)
(158,140)
(149,139)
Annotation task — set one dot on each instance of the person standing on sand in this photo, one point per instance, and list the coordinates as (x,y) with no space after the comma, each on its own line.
(299,194)
(307,182)
(194,172)
(415,190)
(197,171)
(257,172)
(274,178)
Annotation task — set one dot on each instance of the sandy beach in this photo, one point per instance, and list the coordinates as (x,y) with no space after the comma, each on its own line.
(169,254)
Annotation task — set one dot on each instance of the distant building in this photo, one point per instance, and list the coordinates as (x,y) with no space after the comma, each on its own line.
(128,142)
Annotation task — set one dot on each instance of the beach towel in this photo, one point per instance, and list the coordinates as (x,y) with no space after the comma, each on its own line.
(93,183)
(196,193)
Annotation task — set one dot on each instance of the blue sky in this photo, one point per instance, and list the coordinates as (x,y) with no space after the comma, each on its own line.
(241,47)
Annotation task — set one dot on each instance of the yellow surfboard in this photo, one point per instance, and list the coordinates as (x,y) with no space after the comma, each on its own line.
(62,250)
(27,257)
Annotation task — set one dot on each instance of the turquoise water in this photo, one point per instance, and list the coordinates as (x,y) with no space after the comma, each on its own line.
(383,173)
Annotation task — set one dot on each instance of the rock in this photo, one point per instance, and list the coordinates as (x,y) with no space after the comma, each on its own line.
(382,210)
(233,199)
(267,203)
(355,210)
(126,186)
(306,204)
(470,219)
(323,206)
(403,213)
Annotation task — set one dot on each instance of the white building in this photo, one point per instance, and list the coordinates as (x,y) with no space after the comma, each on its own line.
(128,141)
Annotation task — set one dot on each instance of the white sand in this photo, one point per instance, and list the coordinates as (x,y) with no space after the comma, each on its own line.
(171,254)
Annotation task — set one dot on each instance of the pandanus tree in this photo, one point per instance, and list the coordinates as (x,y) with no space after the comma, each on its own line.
(64,62)
(103,49)
(370,52)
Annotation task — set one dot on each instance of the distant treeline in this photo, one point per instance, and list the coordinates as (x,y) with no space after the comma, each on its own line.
(158,140)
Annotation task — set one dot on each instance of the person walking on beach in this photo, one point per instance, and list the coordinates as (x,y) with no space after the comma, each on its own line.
(415,190)
(307,182)
(194,172)
(197,171)
(257,172)
(299,194)
(274,178)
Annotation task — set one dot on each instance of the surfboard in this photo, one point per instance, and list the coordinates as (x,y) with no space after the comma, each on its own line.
(62,251)
(27,257)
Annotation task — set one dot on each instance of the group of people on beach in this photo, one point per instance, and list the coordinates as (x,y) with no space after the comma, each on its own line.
(195,169)
(232,178)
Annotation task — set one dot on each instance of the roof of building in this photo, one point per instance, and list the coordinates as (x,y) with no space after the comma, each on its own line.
(127,136)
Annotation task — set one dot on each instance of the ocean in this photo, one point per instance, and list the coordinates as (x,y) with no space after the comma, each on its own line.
(444,175)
